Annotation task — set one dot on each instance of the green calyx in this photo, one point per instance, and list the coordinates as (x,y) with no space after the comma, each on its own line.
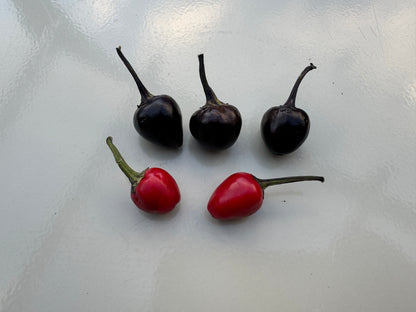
(133,176)
(269,182)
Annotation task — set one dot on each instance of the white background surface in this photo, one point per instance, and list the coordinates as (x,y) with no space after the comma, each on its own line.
(71,239)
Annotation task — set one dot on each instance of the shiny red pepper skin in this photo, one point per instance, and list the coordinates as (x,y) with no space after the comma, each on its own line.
(240,195)
(153,190)
(157,192)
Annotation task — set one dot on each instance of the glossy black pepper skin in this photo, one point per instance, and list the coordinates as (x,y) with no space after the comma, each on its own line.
(284,128)
(158,118)
(215,125)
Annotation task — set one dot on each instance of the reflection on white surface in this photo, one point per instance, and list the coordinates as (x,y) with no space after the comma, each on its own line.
(92,16)
(70,236)
(173,22)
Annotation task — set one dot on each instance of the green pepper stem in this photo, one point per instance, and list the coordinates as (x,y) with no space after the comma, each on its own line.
(268,182)
(292,97)
(133,176)
(209,93)
(143,91)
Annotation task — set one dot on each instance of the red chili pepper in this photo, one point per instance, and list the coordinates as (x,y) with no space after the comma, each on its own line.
(241,194)
(153,190)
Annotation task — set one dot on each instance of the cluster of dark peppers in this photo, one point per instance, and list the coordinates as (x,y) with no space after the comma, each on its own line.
(215,125)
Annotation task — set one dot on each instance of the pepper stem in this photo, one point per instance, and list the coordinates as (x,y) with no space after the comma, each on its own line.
(133,176)
(292,97)
(268,182)
(209,93)
(143,91)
